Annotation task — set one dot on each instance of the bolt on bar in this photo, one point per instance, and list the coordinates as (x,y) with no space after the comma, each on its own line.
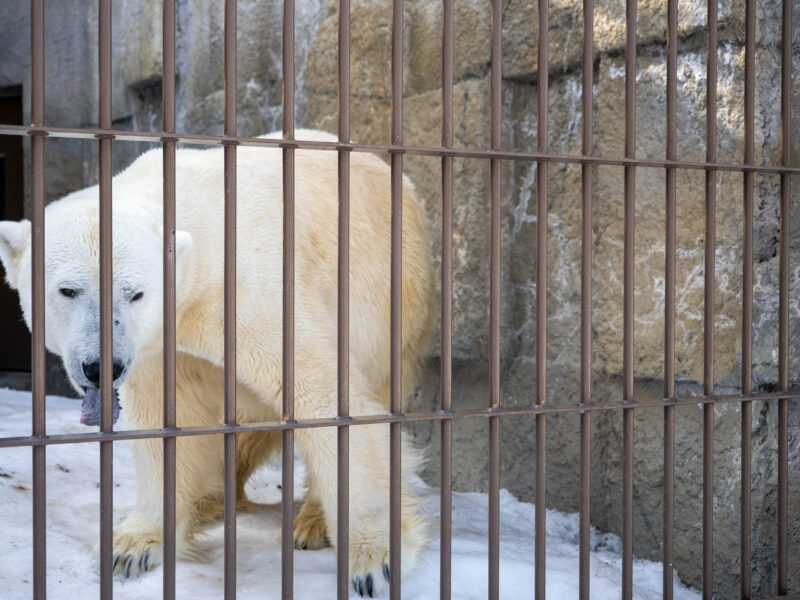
(446,359)
(396,399)
(287,469)
(708,309)
(541,302)
(230,299)
(586,300)
(630,215)
(106,306)
(494,309)
(37,301)
(669,305)
(169,296)
(343,348)
(783,302)
(747,292)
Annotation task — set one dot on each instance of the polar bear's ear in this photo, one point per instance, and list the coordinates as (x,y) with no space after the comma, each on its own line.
(14,237)
(183,242)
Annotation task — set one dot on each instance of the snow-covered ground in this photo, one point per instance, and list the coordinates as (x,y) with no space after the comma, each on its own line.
(73,525)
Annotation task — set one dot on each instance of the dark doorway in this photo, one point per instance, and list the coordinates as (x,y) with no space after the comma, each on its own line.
(15,340)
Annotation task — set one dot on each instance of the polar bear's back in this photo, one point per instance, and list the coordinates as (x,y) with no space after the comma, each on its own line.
(200,210)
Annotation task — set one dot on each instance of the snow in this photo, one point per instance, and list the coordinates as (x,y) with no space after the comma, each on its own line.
(73,526)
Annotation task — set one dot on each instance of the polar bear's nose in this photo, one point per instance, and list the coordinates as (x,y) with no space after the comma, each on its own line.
(92,371)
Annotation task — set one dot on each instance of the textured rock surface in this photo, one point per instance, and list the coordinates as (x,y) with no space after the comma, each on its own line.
(72,67)
(371,106)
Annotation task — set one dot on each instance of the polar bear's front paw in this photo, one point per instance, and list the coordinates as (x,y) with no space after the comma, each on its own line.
(136,553)
(370,572)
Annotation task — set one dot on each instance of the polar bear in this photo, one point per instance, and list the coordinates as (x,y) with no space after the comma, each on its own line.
(72,331)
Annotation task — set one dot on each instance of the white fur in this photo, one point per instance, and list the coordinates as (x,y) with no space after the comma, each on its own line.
(72,242)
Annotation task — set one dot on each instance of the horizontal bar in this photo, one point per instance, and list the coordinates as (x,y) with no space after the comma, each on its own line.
(137,434)
(215,140)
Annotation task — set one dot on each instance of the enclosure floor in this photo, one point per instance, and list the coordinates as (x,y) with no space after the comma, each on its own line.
(73,524)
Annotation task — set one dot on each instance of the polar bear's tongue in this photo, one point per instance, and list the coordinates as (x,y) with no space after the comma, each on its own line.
(90,409)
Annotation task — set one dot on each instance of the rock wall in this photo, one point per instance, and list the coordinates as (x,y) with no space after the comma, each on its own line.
(71,102)
(371,111)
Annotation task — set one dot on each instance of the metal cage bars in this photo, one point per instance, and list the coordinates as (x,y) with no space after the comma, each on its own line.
(105,134)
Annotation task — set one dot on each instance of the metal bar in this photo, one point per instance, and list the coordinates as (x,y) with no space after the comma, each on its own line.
(106,305)
(396,399)
(747,292)
(287,469)
(230,298)
(480,413)
(540,553)
(669,305)
(343,349)
(586,300)
(494,309)
(168,111)
(708,310)
(783,302)
(37,303)
(630,215)
(217,140)
(446,353)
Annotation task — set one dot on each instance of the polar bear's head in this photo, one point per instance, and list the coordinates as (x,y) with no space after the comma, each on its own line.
(72,282)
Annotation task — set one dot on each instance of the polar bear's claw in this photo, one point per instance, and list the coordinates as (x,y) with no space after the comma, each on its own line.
(133,556)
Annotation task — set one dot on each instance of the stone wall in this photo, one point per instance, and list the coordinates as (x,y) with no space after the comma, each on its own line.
(371,110)
(71,102)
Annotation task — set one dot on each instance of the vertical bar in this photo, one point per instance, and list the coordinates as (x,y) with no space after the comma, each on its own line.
(586,298)
(230,298)
(747,291)
(669,306)
(106,306)
(395,429)
(541,302)
(168,99)
(446,508)
(287,472)
(630,215)
(708,310)
(343,350)
(37,301)
(494,310)
(783,301)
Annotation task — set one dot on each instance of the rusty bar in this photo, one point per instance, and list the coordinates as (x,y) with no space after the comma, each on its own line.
(540,552)
(396,399)
(383,418)
(106,305)
(343,349)
(747,292)
(229,308)
(479,153)
(783,301)
(37,302)
(446,360)
(494,309)
(168,100)
(669,305)
(708,309)
(629,262)
(586,300)
(287,468)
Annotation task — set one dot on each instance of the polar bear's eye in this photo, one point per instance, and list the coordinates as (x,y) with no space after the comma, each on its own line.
(137,296)
(68,292)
